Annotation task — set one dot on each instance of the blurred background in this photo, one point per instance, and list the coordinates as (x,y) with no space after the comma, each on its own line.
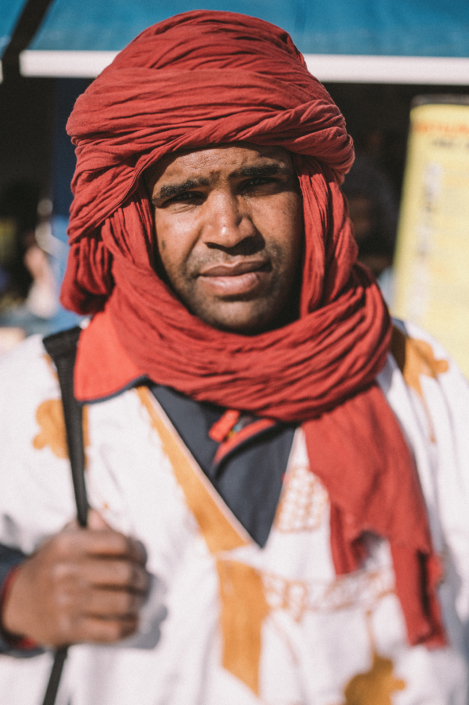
(377,58)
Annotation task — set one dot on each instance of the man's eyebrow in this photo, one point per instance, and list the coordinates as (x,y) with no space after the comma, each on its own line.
(171,190)
(272,169)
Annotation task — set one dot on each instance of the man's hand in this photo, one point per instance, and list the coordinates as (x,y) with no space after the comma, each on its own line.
(81,585)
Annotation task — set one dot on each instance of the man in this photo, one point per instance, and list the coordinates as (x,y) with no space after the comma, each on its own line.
(258,531)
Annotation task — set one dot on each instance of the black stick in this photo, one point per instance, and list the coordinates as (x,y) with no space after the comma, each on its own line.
(62,348)
(55,675)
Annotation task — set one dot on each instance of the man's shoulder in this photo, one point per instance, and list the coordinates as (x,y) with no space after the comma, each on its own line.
(26,372)
(415,332)
(436,388)
(27,354)
(418,353)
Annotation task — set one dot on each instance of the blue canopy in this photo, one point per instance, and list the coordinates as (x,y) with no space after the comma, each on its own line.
(378,27)
(9,15)
(79,37)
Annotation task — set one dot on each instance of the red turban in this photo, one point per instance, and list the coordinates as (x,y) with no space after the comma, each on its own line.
(204,78)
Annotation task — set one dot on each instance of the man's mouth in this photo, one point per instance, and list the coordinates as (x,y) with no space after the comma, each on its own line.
(234,279)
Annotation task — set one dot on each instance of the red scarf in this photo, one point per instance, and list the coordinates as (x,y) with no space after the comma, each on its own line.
(204,78)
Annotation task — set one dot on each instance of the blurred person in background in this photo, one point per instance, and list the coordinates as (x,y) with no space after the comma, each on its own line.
(28,291)
(373,211)
(18,213)
(277,473)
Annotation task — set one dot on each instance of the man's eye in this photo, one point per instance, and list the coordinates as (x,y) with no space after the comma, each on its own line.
(186,196)
(260,181)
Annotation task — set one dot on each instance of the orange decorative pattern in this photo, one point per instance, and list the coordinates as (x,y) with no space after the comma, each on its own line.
(248,595)
(376,686)
(303,502)
(414,359)
(50,417)
(218,531)
(243,609)
(363,588)
(243,604)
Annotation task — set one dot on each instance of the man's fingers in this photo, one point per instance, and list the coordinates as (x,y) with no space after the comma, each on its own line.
(115,573)
(109,604)
(104,631)
(96,521)
(99,539)
(112,543)
(98,543)
(81,585)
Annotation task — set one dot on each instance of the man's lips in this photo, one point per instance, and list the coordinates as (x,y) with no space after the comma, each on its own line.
(233,269)
(234,279)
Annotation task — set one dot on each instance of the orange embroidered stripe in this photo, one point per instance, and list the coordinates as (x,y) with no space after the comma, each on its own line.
(219,532)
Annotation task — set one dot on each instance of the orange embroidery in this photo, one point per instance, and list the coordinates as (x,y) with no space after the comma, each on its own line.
(303,501)
(374,687)
(218,532)
(243,609)
(248,595)
(50,418)
(243,604)
(297,597)
(414,359)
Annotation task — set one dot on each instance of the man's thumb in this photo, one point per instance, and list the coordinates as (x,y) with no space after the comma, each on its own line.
(96,521)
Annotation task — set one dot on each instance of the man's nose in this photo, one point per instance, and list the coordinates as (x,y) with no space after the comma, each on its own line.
(228,221)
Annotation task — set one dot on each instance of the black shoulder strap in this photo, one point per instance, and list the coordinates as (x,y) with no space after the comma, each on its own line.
(62,347)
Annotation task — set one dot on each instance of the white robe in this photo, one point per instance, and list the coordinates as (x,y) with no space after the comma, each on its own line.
(228,622)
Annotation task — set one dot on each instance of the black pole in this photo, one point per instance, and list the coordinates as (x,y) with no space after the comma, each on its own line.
(28,23)
(55,675)
(62,348)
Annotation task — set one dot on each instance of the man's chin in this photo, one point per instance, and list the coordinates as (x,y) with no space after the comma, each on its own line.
(243,318)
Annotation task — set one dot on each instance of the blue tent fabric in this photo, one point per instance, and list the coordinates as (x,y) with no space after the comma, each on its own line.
(9,15)
(438,28)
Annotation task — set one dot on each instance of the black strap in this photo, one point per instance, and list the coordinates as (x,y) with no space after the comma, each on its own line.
(55,675)
(62,347)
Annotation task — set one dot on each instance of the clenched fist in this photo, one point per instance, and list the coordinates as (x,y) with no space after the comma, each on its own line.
(81,585)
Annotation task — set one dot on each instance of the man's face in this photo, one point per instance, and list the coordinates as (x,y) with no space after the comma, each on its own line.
(229,228)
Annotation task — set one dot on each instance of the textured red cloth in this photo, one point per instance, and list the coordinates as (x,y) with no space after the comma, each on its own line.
(212,77)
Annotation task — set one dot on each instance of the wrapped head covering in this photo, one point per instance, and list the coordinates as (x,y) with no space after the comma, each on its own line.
(205,78)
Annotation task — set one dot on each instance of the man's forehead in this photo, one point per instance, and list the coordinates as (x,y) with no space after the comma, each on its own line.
(233,159)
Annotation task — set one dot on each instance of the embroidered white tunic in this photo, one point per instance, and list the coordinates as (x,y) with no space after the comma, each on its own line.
(228,622)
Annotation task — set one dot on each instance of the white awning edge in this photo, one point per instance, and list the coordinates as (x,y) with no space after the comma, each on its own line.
(326,67)
(65,64)
(436,70)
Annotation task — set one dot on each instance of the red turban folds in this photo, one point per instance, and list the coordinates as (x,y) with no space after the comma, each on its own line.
(204,78)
